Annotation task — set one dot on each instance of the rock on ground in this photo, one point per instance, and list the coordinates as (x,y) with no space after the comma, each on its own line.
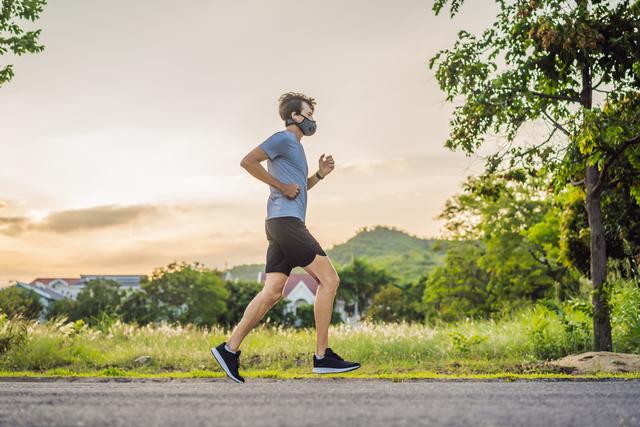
(599,361)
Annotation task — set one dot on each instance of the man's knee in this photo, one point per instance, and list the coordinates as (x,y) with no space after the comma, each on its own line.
(331,284)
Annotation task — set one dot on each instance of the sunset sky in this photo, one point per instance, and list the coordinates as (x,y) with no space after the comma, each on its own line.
(121,142)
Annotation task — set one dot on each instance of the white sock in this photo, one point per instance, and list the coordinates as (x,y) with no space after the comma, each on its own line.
(319,357)
(226,347)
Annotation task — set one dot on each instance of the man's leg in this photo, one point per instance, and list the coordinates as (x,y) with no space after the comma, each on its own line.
(323,272)
(258,307)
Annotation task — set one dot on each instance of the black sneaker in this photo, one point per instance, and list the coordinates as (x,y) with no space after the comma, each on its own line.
(331,363)
(230,362)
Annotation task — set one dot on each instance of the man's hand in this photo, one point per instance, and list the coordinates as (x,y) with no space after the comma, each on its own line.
(326,164)
(290,190)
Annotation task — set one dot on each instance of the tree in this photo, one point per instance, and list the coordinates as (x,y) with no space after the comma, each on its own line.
(543,60)
(15,301)
(187,293)
(136,307)
(98,298)
(519,226)
(12,37)
(460,287)
(388,305)
(240,295)
(399,302)
(359,281)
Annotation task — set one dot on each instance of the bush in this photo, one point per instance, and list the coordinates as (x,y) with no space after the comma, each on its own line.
(16,301)
(625,315)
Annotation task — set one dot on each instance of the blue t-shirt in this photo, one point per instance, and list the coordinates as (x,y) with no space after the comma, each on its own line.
(288,163)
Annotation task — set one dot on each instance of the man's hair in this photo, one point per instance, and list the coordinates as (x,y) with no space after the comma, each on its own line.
(292,102)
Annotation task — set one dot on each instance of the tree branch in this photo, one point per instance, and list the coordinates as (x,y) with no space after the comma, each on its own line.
(615,156)
(556,124)
(622,178)
(557,97)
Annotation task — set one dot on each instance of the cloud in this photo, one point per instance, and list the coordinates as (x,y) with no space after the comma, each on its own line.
(69,221)
(420,166)
(369,164)
(13,225)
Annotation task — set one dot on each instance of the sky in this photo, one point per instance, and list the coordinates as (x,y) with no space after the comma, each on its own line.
(120,143)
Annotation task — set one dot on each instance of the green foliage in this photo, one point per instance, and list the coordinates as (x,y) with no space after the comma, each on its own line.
(625,314)
(16,301)
(240,295)
(177,293)
(13,38)
(573,322)
(136,307)
(99,298)
(360,281)
(463,344)
(621,217)
(304,313)
(528,65)
(187,293)
(527,336)
(543,60)
(13,332)
(460,287)
(511,253)
(398,302)
(387,305)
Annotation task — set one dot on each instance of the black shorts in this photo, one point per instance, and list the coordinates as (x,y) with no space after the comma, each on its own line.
(290,244)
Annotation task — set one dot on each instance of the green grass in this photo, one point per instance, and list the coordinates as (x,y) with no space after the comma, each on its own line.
(517,346)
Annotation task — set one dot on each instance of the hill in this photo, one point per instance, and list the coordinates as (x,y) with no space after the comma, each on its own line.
(404,255)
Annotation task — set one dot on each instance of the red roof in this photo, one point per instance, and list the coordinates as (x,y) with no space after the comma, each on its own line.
(293,281)
(47,280)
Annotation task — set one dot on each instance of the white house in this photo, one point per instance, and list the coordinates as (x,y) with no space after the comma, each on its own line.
(67,287)
(70,287)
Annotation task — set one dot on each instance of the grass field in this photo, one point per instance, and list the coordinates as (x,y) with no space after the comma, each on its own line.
(518,345)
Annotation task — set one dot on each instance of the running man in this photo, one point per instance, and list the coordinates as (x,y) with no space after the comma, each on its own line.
(290,242)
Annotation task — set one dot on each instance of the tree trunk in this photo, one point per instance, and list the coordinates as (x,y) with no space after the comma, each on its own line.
(601,324)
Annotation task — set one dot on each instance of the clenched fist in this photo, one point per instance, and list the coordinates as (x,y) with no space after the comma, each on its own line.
(290,190)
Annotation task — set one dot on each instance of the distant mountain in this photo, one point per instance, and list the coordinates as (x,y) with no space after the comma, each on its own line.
(403,255)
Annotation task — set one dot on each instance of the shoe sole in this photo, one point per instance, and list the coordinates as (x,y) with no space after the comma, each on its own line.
(333,370)
(216,355)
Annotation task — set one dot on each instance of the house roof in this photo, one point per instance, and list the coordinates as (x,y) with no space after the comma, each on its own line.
(45,292)
(125,279)
(47,280)
(294,279)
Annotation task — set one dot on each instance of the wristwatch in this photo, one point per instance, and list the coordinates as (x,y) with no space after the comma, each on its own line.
(318,175)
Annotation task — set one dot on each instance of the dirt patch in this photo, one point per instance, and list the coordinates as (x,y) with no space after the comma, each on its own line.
(599,361)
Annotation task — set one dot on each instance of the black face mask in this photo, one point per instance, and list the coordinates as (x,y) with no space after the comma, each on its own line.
(308,127)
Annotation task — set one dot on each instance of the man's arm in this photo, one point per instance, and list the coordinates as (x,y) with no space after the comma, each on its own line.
(325,166)
(251,162)
(312,180)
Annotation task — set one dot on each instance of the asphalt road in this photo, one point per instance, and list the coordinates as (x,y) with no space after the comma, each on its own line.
(325,402)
